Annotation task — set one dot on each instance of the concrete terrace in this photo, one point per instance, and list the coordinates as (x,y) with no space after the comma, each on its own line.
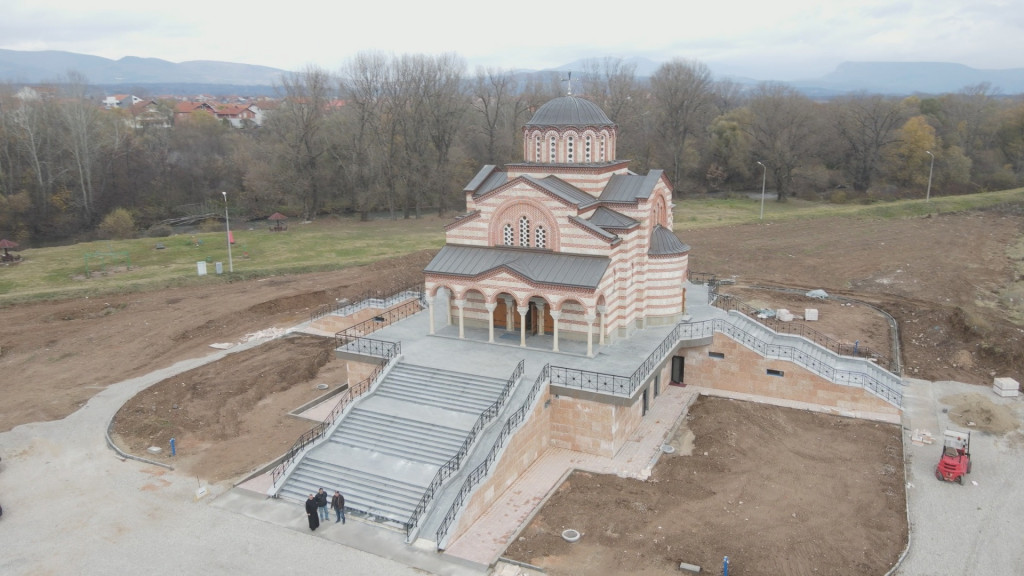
(473,355)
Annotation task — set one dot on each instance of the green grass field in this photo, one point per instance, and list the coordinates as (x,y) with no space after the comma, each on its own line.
(333,243)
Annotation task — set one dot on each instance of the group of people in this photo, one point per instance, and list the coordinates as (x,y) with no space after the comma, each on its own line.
(316,508)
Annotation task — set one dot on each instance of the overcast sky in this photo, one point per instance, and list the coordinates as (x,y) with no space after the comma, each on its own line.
(781,40)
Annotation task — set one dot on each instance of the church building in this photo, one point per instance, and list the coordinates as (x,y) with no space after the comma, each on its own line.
(568,243)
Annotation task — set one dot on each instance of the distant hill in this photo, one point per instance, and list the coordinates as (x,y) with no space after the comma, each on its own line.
(50,65)
(900,78)
(155,76)
(890,78)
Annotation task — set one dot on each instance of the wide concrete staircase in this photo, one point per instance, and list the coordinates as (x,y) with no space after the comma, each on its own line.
(389,447)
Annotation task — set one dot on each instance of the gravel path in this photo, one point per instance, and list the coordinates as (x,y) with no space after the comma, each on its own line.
(970,530)
(71,506)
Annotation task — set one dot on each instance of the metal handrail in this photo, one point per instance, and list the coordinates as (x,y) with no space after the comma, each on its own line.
(368,299)
(728,302)
(476,475)
(317,432)
(386,318)
(623,386)
(455,462)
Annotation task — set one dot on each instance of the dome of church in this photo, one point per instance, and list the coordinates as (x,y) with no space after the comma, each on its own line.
(570,111)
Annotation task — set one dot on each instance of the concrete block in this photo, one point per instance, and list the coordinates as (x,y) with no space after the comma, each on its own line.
(691,568)
(811,314)
(1006,384)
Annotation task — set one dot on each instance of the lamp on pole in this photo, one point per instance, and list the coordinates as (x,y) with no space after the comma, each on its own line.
(764,177)
(928,194)
(227,230)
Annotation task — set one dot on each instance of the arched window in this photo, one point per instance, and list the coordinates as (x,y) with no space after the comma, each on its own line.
(536,147)
(524,231)
(602,148)
(540,237)
(508,235)
(552,150)
(570,149)
(586,150)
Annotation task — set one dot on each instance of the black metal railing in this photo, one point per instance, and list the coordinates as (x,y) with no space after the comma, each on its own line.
(727,302)
(370,347)
(317,432)
(384,319)
(627,386)
(366,300)
(476,475)
(455,462)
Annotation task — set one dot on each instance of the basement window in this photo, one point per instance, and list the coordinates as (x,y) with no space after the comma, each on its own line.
(778,373)
(718,355)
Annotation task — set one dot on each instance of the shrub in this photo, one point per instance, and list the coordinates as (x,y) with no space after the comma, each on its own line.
(160,231)
(211,225)
(119,224)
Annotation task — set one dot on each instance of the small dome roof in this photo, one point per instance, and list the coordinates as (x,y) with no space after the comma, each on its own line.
(570,111)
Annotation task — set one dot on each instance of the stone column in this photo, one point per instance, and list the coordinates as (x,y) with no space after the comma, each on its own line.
(510,321)
(590,333)
(540,318)
(490,320)
(603,310)
(522,324)
(461,303)
(556,314)
(430,313)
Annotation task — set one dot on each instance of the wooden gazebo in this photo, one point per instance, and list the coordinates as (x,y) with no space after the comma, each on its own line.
(278,222)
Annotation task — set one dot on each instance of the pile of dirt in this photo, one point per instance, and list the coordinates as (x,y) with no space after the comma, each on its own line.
(778,491)
(976,412)
(231,416)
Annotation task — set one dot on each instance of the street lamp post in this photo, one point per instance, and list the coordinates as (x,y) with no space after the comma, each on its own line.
(928,194)
(764,177)
(227,230)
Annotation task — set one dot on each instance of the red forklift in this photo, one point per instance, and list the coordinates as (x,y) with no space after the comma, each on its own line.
(955,462)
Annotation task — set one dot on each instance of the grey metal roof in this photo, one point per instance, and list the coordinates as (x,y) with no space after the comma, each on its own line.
(570,111)
(540,267)
(482,175)
(630,187)
(594,228)
(563,189)
(665,243)
(607,218)
(488,178)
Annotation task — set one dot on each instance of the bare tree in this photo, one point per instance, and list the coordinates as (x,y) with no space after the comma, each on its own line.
(866,125)
(781,126)
(34,122)
(80,117)
(298,123)
(683,105)
(494,100)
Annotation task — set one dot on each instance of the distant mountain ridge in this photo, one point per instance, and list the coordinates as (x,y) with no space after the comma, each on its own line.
(50,65)
(131,72)
(914,77)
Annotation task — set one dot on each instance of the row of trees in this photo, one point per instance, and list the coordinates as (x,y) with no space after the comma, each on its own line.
(414,128)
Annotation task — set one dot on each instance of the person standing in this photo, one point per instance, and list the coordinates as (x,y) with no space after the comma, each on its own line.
(338,503)
(314,520)
(321,502)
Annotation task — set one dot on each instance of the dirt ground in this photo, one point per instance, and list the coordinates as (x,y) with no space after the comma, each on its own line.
(952,281)
(777,490)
